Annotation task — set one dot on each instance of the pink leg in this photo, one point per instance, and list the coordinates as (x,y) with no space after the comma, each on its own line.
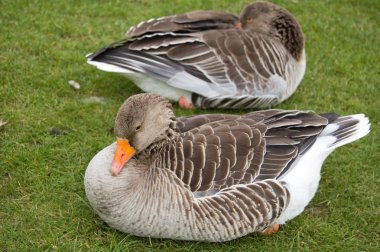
(184,103)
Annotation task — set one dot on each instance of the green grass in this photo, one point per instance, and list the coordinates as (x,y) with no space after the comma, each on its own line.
(42,199)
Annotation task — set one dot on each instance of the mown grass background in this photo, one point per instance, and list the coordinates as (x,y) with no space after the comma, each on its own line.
(42,200)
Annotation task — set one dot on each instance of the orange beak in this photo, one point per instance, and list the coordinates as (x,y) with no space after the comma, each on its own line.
(238,25)
(123,153)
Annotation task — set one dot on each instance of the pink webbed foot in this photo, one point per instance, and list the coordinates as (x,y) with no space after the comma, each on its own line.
(184,103)
(270,230)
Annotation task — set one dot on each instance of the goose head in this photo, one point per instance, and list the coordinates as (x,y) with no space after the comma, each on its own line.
(142,120)
(272,20)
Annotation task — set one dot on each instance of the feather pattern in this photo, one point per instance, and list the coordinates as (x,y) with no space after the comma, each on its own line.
(213,177)
(214,63)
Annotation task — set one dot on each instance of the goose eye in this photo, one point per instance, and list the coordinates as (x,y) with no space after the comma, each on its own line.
(138,128)
(249,19)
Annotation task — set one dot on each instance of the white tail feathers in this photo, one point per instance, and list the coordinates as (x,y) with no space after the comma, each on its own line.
(347,129)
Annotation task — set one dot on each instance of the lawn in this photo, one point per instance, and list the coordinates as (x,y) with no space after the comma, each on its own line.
(54,130)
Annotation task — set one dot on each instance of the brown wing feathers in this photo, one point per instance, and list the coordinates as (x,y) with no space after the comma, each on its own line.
(231,149)
(217,154)
(236,160)
(244,208)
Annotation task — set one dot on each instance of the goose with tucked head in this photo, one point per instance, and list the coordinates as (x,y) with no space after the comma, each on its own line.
(141,121)
(213,59)
(276,22)
(211,177)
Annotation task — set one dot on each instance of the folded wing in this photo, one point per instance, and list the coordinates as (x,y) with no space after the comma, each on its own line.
(203,53)
(218,151)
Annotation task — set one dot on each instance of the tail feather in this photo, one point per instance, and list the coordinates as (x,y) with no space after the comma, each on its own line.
(346,129)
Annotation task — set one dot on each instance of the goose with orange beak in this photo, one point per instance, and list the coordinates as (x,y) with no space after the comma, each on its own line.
(135,129)
(211,177)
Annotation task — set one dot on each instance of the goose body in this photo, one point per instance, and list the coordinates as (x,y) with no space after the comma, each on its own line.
(203,57)
(211,177)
